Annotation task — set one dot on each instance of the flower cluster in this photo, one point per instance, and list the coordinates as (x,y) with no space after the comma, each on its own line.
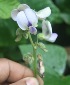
(27,19)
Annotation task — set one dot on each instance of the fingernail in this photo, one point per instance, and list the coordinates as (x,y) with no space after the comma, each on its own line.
(32,81)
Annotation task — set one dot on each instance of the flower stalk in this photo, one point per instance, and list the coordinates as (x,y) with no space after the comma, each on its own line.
(34,55)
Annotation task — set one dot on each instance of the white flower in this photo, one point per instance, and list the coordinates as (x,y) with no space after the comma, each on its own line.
(47,31)
(25,18)
(46,25)
(44,13)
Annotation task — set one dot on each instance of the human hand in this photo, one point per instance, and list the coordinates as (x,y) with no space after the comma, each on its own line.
(12,73)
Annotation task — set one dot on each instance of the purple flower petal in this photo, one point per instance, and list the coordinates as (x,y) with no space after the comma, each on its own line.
(29,24)
(33,30)
(46,28)
(52,38)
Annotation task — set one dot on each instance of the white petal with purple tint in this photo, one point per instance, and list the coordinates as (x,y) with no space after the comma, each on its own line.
(22,7)
(14,14)
(33,30)
(22,20)
(46,28)
(47,31)
(44,13)
(52,38)
(31,16)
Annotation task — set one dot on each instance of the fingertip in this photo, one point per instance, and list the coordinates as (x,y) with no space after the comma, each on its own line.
(31,81)
(18,71)
(27,81)
(40,80)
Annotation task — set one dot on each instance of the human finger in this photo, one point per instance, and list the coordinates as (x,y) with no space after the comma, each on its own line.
(40,80)
(11,71)
(26,81)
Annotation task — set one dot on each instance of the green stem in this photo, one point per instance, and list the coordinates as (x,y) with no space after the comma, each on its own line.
(30,38)
(37,39)
(34,55)
(35,62)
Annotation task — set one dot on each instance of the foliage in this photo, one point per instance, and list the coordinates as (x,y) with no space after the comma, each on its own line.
(6,8)
(60,58)
(54,61)
(55,58)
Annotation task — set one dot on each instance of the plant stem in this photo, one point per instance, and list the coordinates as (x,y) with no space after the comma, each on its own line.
(34,55)
(35,62)
(37,39)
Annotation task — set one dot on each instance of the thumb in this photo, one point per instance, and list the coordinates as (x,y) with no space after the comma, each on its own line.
(26,81)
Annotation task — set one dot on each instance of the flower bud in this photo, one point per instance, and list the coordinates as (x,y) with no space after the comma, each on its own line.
(42,46)
(18,38)
(28,58)
(40,36)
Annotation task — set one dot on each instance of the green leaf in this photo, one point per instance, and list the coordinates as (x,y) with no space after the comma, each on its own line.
(11,52)
(53,80)
(8,33)
(66,80)
(1,55)
(54,60)
(64,5)
(6,6)
(66,17)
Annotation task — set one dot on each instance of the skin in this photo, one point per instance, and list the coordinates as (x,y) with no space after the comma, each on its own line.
(13,73)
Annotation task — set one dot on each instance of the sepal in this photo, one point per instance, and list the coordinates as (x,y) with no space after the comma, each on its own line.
(42,46)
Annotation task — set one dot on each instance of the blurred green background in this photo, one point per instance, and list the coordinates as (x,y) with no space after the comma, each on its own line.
(60,19)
